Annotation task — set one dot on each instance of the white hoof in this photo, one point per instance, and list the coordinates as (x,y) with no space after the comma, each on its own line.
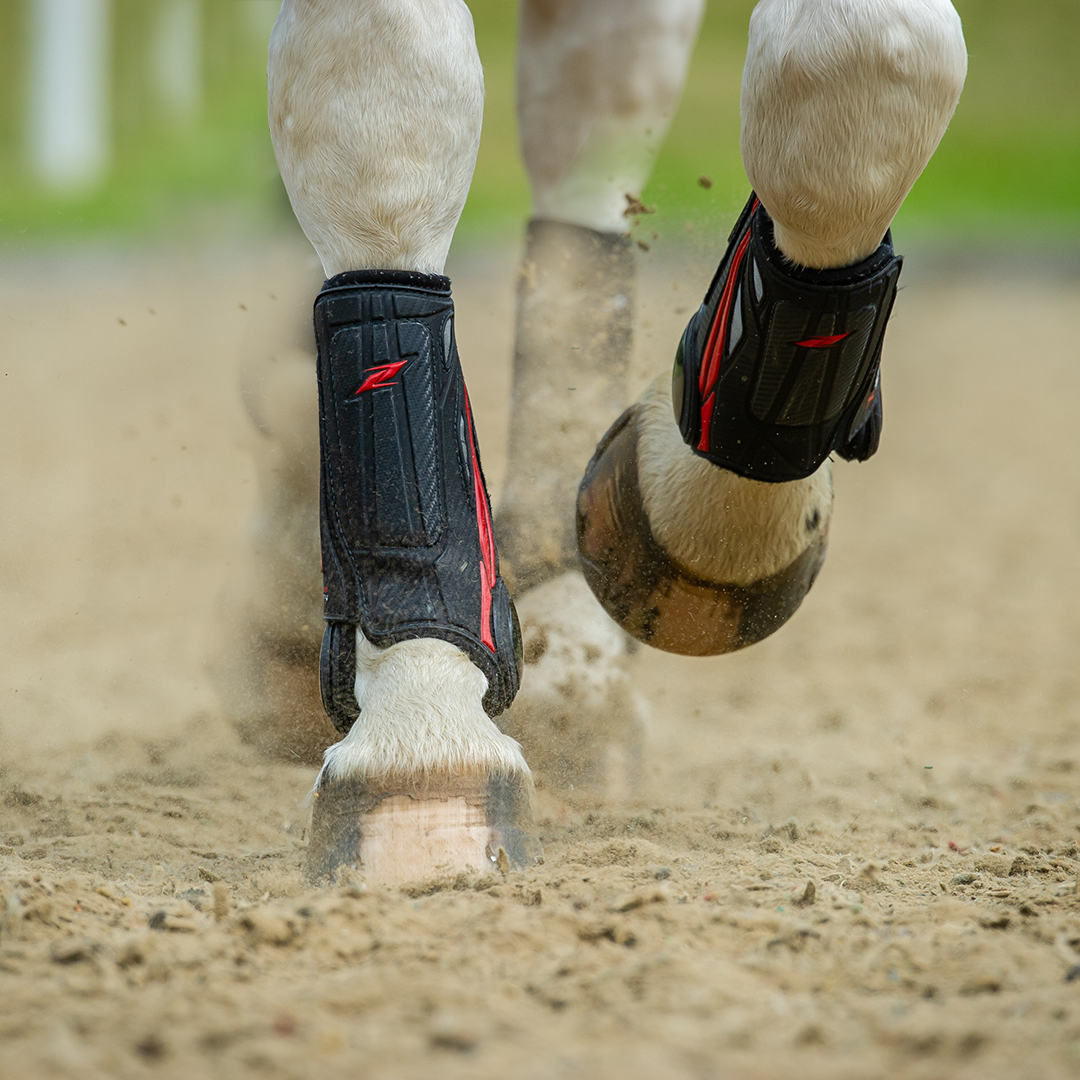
(424,783)
(576,715)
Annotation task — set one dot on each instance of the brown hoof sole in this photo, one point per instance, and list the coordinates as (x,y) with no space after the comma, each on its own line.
(645,591)
(393,832)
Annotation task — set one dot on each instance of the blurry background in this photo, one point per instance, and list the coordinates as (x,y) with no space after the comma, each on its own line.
(148,118)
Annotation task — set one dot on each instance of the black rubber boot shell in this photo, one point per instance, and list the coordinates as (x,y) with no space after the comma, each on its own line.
(408,548)
(781,365)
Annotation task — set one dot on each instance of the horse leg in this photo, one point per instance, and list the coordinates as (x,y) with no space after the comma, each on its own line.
(375,113)
(598,85)
(702,532)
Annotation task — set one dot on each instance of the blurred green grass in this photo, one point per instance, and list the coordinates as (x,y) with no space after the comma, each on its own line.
(170,175)
(1009,166)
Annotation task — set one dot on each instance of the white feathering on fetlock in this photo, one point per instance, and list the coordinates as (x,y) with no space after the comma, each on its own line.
(713,523)
(421,717)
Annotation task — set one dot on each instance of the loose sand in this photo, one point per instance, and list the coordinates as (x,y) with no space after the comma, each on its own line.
(856,851)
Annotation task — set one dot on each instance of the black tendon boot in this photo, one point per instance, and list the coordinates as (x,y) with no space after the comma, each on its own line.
(408,547)
(780,365)
(776,370)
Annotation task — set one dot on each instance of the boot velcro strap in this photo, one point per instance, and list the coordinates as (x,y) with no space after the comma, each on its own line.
(780,365)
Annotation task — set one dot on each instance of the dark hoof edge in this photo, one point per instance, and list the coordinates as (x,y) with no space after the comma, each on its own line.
(645,591)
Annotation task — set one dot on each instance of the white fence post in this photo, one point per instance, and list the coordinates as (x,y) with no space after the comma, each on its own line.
(68,122)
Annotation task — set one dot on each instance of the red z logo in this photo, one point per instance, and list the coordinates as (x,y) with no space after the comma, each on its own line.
(821,342)
(381,376)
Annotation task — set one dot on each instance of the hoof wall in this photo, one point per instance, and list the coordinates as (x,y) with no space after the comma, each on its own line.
(644,589)
(393,832)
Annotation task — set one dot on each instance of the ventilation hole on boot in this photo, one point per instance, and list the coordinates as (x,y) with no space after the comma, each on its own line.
(447,339)
(736,321)
(463,450)
(535,646)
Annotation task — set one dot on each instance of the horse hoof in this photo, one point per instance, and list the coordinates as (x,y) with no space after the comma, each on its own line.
(653,595)
(411,830)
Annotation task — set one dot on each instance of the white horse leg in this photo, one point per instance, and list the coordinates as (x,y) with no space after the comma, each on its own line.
(598,84)
(375,112)
(843,103)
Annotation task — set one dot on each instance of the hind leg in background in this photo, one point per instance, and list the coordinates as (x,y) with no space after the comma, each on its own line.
(598,85)
(702,522)
(375,112)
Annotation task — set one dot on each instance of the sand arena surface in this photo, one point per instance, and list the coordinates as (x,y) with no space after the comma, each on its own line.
(856,852)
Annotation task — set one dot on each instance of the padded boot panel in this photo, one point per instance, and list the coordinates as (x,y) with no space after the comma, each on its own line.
(408,547)
(780,365)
